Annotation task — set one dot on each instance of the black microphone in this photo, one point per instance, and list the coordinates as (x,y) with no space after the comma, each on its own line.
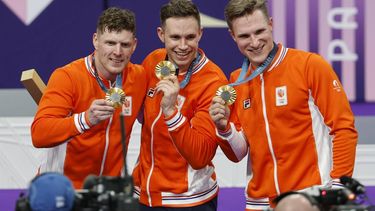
(353,185)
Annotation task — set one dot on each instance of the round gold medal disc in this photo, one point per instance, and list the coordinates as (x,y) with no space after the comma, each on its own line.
(164,69)
(116,96)
(227,93)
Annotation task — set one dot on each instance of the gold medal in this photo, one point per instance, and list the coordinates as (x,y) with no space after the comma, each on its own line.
(227,93)
(116,96)
(164,69)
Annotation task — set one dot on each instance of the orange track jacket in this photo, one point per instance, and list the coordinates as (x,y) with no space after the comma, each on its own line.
(75,148)
(175,168)
(298,125)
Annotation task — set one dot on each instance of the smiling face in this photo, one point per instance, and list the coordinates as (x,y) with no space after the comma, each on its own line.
(181,36)
(113,51)
(253,35)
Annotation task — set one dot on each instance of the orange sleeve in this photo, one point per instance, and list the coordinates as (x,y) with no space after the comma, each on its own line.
(333,104)
(53,123)
(224,145)
(196,138)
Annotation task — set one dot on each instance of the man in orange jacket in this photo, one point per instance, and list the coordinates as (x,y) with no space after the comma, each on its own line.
(291,112)
(78,118)
(178,138)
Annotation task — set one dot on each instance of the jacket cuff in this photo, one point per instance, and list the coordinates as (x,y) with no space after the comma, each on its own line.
(80,122)
(336,184)
(175,121)
(225,135)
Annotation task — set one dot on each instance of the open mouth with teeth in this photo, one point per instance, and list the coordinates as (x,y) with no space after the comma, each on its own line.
(117,60)
(182,54)
(257,50)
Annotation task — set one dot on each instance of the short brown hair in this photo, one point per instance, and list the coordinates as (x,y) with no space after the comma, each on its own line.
(238,8)
(179,8)
(116,19)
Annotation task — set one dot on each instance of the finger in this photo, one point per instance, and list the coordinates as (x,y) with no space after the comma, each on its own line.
(101,102)
(104,117)
(220,112)
(102,110)
(172,81)
(171,78)
(165,82)
(218,118)
(218,100)
(218,108)
(161,89)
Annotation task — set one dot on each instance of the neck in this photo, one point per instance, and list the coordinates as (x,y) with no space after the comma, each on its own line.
(182,70)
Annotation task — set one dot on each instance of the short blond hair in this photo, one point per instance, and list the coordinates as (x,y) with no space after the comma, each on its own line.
(238,8)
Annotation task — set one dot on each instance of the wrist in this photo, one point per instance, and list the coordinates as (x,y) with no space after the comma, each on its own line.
(170,112)
(227,131)
(87,119)
(224,129)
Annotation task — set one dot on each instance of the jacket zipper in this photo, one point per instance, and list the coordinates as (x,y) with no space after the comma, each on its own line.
(106,146)
(152,159)
(269,140)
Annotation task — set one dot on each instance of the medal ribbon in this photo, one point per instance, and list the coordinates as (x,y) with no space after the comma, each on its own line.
(245,66)
(189,72)
(100,82)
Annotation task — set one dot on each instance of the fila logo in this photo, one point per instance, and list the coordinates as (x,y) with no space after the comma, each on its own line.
(246,104)
(151,92)
(281,96)
(27,10)
(336,86)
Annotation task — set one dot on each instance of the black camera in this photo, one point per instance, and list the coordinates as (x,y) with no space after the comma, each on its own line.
(106,193)
(348,198)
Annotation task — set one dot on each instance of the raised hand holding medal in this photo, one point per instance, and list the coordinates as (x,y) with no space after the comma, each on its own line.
(171,87)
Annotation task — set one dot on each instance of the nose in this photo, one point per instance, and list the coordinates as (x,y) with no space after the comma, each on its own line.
(254,41)
(117,49)
(183,44)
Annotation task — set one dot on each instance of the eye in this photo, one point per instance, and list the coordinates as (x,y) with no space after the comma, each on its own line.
(260,31)
(111,43)
(191,37)
(125,45)
(243,36)
(175,37)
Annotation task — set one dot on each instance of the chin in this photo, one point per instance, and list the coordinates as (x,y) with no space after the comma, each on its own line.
(116,71)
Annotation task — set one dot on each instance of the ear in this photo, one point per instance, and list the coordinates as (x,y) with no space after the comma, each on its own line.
(135,44)
(95,41)
(161,34)
(200,34)
(270,23)
(232,35)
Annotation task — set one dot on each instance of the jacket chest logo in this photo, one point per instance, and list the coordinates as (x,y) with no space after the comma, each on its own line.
(127,106)
(151,92)
(246,103)
(281,96)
